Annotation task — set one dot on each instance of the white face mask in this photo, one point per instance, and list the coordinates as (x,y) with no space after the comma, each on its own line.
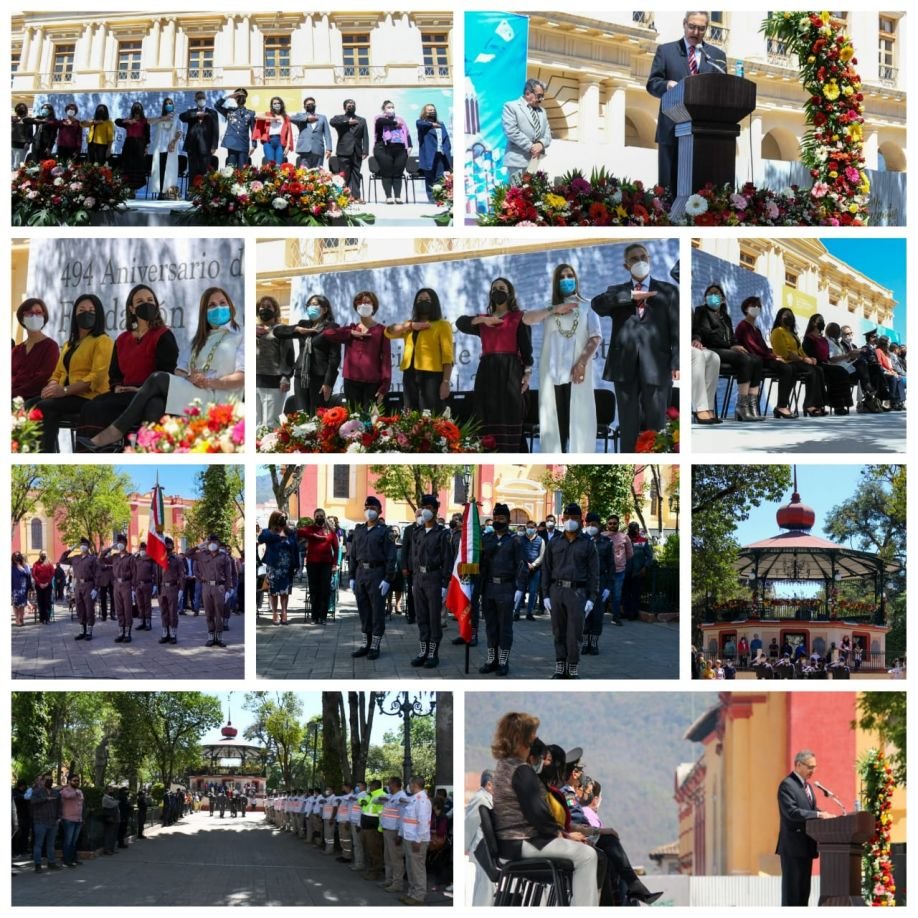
(142,553)
(84,549)
(34,323)
(571,525)
(550,524)
(371,515)
(754,311)
(591,530)
(640,269)
(365,310)
(212,546)
(119,546)
(419,519)
(427,515)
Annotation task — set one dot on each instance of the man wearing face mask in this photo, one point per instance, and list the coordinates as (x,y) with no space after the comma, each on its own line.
(408,545)
(213,568)
(121,562)
(313,144)
(201,138)
(643,356)
(432,570)
(571,572)
(144,578)
(237,139)
(84,566)
(503,579)
(169,584)
(353,147)
(372,570)
(592,629)
(535,552)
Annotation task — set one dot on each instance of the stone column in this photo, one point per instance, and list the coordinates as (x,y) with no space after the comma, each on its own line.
(151,55)
(588,115)
(26,50)
(167,44)
(871,149)
(81,49)
(35,49)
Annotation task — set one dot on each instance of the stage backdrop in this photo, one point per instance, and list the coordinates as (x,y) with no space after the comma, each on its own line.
(178,270)
(496,52)
(463,286)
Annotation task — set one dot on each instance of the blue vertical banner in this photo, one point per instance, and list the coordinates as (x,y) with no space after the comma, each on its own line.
(496,54)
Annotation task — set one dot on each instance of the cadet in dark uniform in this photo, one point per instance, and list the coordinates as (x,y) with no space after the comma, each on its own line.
(104,588)
(571,571)
(433,567)
(170,591)
(242,803)
(122,564)
(372,570)
(592,628)
(407,565)
(83,567)
(213,570)
(221,801)
(503,579)
(144,575)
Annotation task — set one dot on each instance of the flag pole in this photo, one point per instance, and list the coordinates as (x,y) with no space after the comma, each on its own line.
(470,499)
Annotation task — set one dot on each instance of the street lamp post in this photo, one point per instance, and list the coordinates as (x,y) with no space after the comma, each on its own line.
(404,706)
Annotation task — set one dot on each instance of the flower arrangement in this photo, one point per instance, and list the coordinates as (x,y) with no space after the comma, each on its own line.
(751,206)
(26,428)
(49,193)
(272,195)
(346,430)
(833,146)
(443,197)
(877,786)
(661,441)
(214,428)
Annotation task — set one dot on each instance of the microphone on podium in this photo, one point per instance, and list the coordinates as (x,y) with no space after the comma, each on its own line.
(829,793)
(710,59)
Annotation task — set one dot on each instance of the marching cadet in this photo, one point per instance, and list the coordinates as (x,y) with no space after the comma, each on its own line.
(571,571)
(122,564)
(432,567)
(361,797)
(372,570)
(592,628)
(370,835)
(407,565)
(104,587)
(391,824)
(213,569)
(503,579)
(416,835)
(84,567)
(344,823)
(329,809)
(169,584)
(144,576)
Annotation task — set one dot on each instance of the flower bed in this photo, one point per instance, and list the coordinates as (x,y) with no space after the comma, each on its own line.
(661,441)
(214,428)
(26,428)
(443,197)
(877,787)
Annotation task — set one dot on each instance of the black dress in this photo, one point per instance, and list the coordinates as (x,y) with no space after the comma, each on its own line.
(317,363)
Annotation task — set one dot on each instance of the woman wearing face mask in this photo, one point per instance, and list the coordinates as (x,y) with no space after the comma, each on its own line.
(435,155)
(273,364)
(45,124)
(212,370)
(81,372)
(392,145)
(281,558)
(146,346)
(367,353)
(505,365)
(571,334)
(319,357)
(21,584)
(275,132)
(165,149)
(32,360)
(134,150)
(816,345)
(23,132)
(427,359)
(321,557)
(69,135)
(711,326)
(100,136)
(43,577)
(786,345)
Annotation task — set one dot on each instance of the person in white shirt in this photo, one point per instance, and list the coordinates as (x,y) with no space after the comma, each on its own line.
(316,835)
(344,823)
(484,889)
(329,809)
(357,805)
(416,835)
(391,825)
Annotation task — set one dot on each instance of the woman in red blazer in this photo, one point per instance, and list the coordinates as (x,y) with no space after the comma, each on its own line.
(275,132)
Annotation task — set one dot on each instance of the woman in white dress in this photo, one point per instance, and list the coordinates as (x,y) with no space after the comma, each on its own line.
(165,145)
(567,406)
(212,370)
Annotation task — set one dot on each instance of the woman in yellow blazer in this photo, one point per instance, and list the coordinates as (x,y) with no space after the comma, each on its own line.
(81,372)
(101,136)
(427,362)
(786,344)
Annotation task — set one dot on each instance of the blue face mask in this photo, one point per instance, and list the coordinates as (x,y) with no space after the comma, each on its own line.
(218,315)
(567,285)
(313,313)
(713,300)
(489,529)
(170,107)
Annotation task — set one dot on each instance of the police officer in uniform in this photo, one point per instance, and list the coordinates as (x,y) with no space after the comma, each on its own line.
(371,835)
(170,591)
(122,564)
(144,576)
(592,628)
(372,570)
(407,564)
(571,571)
(104,587)
(221,800)
(212,569)
(432,569)
(84,567)
(503,580)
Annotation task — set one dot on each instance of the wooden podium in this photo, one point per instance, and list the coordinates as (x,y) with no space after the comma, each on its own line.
(707,109)
(841,842)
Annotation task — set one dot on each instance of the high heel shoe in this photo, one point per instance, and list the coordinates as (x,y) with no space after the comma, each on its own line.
(714,419)
(783,417)
(85,445)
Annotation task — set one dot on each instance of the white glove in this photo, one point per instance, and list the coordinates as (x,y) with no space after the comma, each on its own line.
(546,602)
(155,590)
(605,596)
(517,596)
(133,595)
(384,588)
(351,584)
(443,593)
(588,607)
(93,595)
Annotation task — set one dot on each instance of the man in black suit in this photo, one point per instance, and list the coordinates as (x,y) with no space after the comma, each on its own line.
(673,62)
(643,355)
(796,805)
(201,137)
(353,145)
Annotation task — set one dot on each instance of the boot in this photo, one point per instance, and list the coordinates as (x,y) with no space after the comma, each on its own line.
(374,647)
(572,671)
(637,890)
(595,650)
(586,646)
(743,412)
(365,650)
(491,663)
(212,640)
(127,637)
(433,661)
(226,624)
(560,670)
(82,635)
(218,639)
(503,667)
(120,638)
(165,638)
(421,658)
(89,633)
(754,408)
(173,637)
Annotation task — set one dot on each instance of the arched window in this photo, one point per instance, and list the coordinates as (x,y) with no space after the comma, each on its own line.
(36,534)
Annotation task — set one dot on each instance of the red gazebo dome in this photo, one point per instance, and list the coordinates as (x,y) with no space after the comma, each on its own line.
(796,515)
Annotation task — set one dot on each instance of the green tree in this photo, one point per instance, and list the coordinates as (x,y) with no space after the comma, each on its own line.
(605,489)
(285,482)
(279,726)
(885,712)
(388,759)
(215,511)
(87,500)
(25,491)
(409,483)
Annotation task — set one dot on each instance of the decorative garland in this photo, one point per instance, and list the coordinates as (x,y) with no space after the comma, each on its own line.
(877,786)
(833,146)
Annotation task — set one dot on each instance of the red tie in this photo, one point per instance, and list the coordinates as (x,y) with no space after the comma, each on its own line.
(809,792)
(692,63)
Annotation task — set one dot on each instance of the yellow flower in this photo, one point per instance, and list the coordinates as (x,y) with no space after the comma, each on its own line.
(855,132)
(555,201)
(811,59)
(848,91)
(621,212)
(831,91)
(825,16)
(853,208)
(675,436)
(865,184)
(833,174)
(846,53)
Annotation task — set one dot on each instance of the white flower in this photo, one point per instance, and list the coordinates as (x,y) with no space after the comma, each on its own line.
(90,203)
(227,171)
(787,192)
(58,182)
(32,195)
(76,186)
(238,190)
(337,181)
(696,205)
(279,203)
(268,443)
(355,447)
(804,23)
(617,196)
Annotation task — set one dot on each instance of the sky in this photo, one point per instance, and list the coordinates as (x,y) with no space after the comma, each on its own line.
(882,260)
(179,480)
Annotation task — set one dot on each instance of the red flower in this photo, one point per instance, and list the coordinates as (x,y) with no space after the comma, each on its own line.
(672,413)
(334,417)
(489,442)
(706,219)
(599,213)
(35,415)
(646,441)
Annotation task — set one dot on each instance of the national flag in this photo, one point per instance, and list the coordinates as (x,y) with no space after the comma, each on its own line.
(459,594)
(156,547)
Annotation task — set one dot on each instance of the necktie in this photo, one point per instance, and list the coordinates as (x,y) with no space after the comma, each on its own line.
(534,117)
(640,308)
(809,793)
(692,63)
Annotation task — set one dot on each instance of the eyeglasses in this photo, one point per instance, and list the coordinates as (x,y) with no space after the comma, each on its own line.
(700,29)
(539,98)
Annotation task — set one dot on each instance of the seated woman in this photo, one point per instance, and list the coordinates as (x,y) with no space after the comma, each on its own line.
(838,385)
(33,360)
(427,360)
(81,372)
(786,345)
(523,821)
(145,347)
(895,383)
(212,371)
(705,376)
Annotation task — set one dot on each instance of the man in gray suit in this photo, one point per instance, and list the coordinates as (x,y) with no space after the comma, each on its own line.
(313,145)
(526,129)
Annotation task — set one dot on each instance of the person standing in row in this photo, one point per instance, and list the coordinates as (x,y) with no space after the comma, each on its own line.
(214,569)
(357,804)
(353,147)
(83,567)
(201,138)
(122,567)
(170,582)
(71,819)
(42,577)
(534,546)
(274,360)
(314,142)
(239,122)
(321,557)
(592,628)
(144,576)
(622,553)
(432,569)
(390,824)
(104,586)
(372,570)
(275,133)
(435,155)
(392,144)
(407,562)
(134,149)
(416,835)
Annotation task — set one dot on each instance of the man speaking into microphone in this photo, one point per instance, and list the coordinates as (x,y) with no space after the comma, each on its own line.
(673,62)
(797,805)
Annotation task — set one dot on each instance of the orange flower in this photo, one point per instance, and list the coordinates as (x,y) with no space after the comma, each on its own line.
(646,441)
(334,417)
(448,430)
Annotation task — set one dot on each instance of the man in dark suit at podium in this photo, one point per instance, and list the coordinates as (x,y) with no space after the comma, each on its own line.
(673,62)
(643,355)
(796,805)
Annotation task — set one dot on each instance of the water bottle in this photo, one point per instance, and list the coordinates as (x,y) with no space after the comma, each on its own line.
(738,69)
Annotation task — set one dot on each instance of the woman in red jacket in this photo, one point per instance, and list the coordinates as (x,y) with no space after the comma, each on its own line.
(321,560)
(275,132)
(33,360)
(42,577)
